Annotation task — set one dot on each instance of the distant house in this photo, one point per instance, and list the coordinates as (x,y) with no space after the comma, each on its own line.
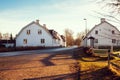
(35,34)
(63,41)
(7,43)
(103,34)
(59,39)
(6,40)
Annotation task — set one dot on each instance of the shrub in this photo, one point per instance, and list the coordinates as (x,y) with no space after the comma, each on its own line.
(88,51)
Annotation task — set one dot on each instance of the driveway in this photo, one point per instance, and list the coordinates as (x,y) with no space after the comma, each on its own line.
(56,65)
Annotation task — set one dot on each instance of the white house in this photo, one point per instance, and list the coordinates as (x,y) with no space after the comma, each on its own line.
(103,34)
(63,41)
(35,34)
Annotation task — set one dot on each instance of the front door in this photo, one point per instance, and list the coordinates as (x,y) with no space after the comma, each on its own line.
(92,42)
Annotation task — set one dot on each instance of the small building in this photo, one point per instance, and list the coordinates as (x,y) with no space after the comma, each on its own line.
(34,34)
(63,41)
(103,34)
(7,43)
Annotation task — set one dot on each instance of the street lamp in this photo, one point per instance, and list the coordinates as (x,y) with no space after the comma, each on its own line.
(85,26)
(85,31)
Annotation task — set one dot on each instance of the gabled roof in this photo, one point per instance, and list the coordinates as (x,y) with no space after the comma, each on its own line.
(98,25)
(54,34)
(24,28)
(33,22)
(63,38)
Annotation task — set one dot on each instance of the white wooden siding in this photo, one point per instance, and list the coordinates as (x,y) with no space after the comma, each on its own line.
(104,35)
(33,39)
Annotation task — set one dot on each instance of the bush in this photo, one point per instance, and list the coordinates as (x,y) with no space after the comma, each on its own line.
(88,51)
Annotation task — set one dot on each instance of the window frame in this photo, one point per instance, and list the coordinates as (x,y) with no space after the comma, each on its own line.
(96,41)
(114,41)
(42,41)
(28,32)
(113,32)
(39,31)
(25,41)
(96,31)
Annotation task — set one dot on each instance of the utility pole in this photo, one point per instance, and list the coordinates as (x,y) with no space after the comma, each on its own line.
(85,31)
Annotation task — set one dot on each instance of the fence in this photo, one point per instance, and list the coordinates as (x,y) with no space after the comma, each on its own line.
(75,68)
(114,65)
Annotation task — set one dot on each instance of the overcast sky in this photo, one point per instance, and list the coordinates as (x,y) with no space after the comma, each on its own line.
(56,14)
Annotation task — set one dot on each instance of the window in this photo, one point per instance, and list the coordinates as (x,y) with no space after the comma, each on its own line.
(25,41)
(96,32)
(113,32)
(96,40)
(42,41)
(113,40)
(28,32)
(39,31)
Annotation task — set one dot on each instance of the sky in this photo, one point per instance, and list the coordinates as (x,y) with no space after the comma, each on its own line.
(56,14)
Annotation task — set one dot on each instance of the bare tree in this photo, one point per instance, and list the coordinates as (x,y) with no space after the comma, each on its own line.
(11,37)
(114,5)
(114,9)
(0,36)
(6,36)
(69,37)
(79,37)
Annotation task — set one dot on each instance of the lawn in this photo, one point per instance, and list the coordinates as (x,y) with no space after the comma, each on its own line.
(95,67)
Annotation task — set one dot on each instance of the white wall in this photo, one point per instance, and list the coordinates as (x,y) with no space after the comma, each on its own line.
(34,39)
(104,35)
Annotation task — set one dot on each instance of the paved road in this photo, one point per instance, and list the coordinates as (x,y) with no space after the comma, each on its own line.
(33,51)
(57,65)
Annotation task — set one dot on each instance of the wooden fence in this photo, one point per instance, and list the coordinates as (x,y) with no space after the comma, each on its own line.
(114,65)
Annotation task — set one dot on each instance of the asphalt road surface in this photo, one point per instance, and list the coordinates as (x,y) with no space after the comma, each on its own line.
(34,51)
(49,64)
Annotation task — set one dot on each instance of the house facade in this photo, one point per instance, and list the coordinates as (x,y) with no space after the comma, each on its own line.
(103,34)
(35,34)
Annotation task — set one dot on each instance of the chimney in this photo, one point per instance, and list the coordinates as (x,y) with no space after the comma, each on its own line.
(102,20)
(44,25)
(37,21)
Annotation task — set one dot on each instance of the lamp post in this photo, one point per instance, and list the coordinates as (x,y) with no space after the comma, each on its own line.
(85,30)
(85,26)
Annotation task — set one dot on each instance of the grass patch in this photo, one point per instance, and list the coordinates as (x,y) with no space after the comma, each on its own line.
(95,67)
(100,51)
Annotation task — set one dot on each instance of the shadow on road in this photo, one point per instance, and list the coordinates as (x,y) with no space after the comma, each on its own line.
(59,60)
(56,77)
(100,74)
(46,61)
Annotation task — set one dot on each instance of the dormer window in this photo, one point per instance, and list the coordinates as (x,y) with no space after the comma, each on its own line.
(39,31)
(28,32)
(96,32)
(113,32)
